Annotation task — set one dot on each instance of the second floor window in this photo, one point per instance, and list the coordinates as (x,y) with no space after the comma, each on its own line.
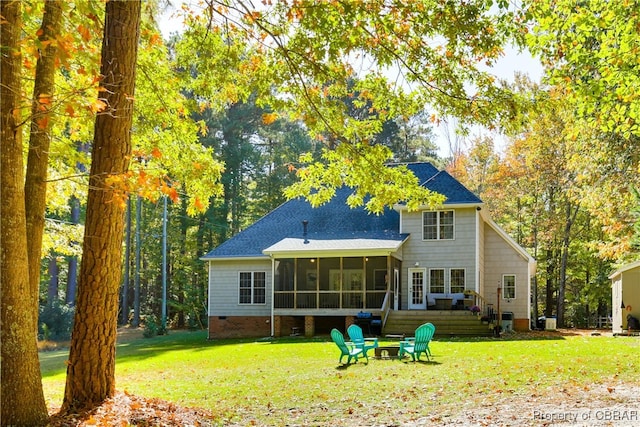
(437,225)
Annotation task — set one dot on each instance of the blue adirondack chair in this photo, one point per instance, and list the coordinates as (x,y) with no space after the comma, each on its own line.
(351,351)
(418,344)
(357,337)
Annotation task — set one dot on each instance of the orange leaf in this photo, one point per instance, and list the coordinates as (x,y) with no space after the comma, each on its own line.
(43,122)
(198,204)
(142,178)
(268,118)
(155,39)
(84,32)
(173,194)
(156,153)
(70,111)
(97,106)
(44,98)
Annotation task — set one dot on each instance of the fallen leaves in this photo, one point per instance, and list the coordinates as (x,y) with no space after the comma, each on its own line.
(125,409)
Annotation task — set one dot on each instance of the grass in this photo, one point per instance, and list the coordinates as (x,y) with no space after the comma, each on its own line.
(297,381)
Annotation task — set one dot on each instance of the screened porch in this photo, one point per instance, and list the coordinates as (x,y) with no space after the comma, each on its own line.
(356,283)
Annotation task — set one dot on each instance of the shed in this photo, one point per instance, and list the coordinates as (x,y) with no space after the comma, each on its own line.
(625,295)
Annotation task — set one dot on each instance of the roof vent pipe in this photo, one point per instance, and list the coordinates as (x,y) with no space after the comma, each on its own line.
(305,223)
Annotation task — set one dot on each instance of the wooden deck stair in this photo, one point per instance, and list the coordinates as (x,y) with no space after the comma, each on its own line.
(448,323)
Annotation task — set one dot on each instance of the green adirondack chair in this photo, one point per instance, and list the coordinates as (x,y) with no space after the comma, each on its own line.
(418,344)
(357,337)
(351,351)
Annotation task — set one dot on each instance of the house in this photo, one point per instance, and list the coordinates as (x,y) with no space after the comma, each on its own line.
(306,270)
(625,296)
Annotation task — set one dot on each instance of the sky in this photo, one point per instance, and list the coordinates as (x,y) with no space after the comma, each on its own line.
(512,62)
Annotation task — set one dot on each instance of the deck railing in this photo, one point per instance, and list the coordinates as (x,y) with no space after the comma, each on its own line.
(386,308)
(486,309)
(371,300)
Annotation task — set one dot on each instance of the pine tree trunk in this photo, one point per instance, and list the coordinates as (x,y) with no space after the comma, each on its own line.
(35,186)
(22,401)
(91,367)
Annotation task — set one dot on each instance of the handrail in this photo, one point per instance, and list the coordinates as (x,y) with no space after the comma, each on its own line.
(386,307)
(478,300)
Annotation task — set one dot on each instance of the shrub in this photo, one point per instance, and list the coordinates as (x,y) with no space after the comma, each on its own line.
(152,327)
(55,321)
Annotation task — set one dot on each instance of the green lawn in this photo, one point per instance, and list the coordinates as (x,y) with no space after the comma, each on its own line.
(297,381)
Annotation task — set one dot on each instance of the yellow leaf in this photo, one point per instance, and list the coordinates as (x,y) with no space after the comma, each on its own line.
(268,118)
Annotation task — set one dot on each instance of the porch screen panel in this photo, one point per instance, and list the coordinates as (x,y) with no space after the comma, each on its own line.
(283,283)
(417,280)
(284,275)
(328,279)
(353,282)
(307,277)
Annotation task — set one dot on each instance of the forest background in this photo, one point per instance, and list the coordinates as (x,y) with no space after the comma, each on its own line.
(247,108)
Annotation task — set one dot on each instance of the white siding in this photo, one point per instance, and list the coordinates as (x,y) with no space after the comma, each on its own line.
(626,290)
(457,253)
(223,288)
(500,259)
(481,260)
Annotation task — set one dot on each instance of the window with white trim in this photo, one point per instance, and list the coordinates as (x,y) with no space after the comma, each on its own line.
(252,287)
(437,225)
(509,286)
(436,281)
(456,280)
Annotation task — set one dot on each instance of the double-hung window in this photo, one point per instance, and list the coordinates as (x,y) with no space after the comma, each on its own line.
(509,286)
(437,225)
(456,280)
(252,287)
(436,281)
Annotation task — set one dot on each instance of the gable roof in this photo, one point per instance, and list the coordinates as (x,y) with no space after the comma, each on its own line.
(331,221)
(443,183)
(334,225)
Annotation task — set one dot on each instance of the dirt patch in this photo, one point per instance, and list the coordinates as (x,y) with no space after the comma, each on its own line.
(129,333)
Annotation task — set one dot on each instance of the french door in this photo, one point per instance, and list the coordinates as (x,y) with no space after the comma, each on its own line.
(417,291)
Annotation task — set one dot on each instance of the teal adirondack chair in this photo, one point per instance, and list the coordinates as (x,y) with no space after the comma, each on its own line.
(351,351)
(418,344)
(357,337)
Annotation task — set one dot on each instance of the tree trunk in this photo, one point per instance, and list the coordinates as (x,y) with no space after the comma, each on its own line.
(72,276)
(91,366)
(22,400)
(35,186)
(551,283)
(54,280)
(124,311)
(570,218)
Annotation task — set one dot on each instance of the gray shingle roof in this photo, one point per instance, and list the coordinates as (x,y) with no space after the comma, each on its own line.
(334,220)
